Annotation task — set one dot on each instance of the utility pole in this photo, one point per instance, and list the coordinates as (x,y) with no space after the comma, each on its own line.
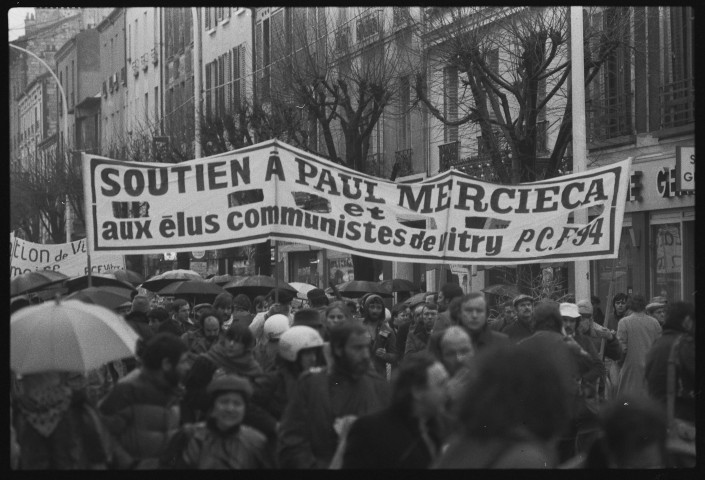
(577,77)
(64,104)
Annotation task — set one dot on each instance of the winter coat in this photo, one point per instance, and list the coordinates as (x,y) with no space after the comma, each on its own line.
(442,322)
(142,412)
(306,437)
(613,350)
(390,438)
(240,448)
(196,401)
(657,367)
(382,336)
(517,331)
(274,389)
(417,340)
(637,334)
(402,335)
(68,437)
(486,338)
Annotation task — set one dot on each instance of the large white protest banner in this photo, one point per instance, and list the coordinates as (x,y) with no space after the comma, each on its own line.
(68,258)
(274,191)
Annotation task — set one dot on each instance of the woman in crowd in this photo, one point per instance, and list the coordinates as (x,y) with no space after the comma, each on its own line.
(222,441)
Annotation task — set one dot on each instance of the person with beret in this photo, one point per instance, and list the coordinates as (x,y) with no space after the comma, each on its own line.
(222,442)
(522,327)
(657,309)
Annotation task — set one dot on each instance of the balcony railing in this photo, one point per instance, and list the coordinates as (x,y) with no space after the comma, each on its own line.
(448,155)
(677,103)
(609,117)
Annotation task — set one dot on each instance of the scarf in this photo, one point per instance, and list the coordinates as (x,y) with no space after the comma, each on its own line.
(245,364)
(45,408)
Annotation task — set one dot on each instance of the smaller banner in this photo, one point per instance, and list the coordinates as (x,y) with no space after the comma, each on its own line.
(70,259)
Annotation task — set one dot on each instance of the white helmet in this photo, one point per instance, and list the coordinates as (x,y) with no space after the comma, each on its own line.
(387,314)
(275,326)
(298,338)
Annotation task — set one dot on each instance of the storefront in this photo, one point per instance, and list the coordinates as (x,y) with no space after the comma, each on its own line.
(657,247)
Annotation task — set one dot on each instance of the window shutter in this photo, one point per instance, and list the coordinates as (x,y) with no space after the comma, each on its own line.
(243,71)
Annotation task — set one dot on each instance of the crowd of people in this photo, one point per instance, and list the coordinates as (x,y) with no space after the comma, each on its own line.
(339,384)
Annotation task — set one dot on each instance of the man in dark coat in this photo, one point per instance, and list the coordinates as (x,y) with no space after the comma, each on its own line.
(679,324)
(522,327)
(138,319)
(470,312)
(566,353)
(407,434)
(321,400)
(142,410)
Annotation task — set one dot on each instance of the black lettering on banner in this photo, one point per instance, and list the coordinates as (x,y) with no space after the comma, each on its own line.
(526,236)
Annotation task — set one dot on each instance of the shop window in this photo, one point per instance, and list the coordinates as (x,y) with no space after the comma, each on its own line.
(667,260)
(618,271)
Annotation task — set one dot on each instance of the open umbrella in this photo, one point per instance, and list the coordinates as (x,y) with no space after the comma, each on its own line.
(502,290)
(358,288)
(128,276)
(196,290)
(33,281)
(108,297)
(97,280)
(399,285)
(223,279)
(418,298)
(257,285)
(160,281)
(302,289)
(68,336)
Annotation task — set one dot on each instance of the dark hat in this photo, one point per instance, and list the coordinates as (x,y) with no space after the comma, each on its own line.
(285,296)
(229,383)
(520,298)
(308,317)
(159,314)
(316,293)
(373,298)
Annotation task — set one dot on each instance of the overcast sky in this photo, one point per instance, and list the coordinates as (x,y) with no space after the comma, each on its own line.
(15,21)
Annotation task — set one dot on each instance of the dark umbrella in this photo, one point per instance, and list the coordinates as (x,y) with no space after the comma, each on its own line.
(418,298)
(128,276)
(399,285)
(358,288)
(160,281)
(33,281)
(198,291)
(79,283)
(257,285)
(223,279)
(502,290)
(108,297)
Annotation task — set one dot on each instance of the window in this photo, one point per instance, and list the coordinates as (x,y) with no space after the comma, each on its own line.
(156,105)
(220,96)
(668,259)
(146,109)
(609,105)
(238,84)
(207,15)
(450,102)
(677,91)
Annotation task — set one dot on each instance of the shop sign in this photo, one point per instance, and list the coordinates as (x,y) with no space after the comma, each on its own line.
(685,169)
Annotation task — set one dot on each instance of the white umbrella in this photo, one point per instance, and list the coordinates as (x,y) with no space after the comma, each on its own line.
(68,336)
(302,289)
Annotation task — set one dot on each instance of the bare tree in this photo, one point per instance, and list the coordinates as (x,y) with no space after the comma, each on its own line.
(37,198)
(340,82)
(513,65)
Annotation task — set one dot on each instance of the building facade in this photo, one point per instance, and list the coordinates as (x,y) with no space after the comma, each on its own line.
(113,73)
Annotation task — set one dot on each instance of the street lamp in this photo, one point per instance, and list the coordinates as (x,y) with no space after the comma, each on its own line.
(64,104)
